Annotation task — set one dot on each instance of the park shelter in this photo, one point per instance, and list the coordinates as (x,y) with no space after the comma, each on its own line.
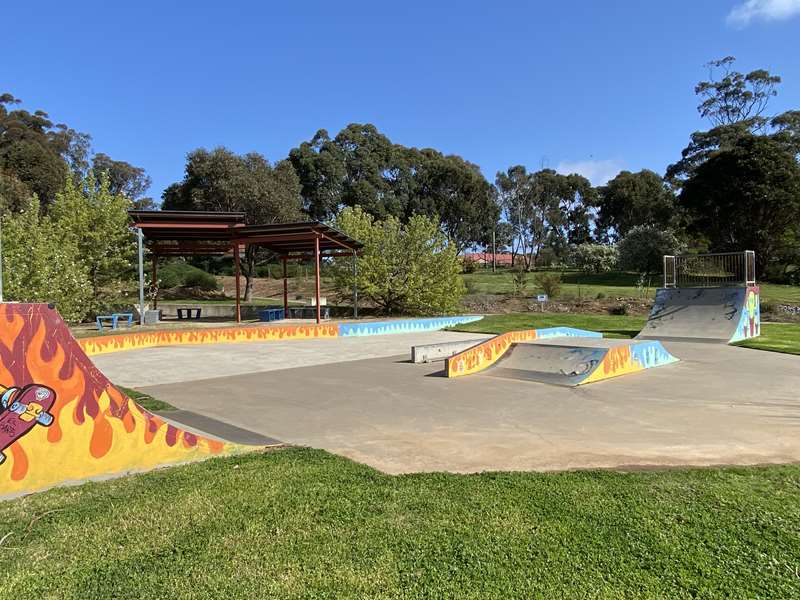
(192,233)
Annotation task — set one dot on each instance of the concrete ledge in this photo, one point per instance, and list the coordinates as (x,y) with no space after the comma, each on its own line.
(431,352)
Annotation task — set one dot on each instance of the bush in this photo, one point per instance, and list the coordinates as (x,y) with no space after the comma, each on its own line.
(550,283)
(470,265)
(411,268)
(181,274)
(643,249)
(594,258)
(519,279)
(620,310)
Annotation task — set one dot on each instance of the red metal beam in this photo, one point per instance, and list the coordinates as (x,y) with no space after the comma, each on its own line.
(316,276)
(238,285)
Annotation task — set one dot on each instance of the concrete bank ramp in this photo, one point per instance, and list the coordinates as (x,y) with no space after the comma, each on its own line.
(578,361)
(720,315)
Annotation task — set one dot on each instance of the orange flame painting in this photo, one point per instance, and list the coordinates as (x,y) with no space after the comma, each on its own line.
(61,420)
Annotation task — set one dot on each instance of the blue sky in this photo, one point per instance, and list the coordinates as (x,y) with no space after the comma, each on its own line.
(588,86)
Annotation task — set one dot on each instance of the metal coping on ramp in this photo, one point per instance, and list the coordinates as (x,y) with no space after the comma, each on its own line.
(485,354)
(62,420)
(720,315)
(580,363)
(254,333)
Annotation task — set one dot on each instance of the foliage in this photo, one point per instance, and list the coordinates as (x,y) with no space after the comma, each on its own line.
(735,105)
(220,180)
(545,209)
(42,265)
(39,155)
(549,282)
(643,249)
(470,265)
(619,310)
(123,178)
(746,198)
(595,258)
(362,167)
(519,279)
(632,199)
(411,268)
(88,216)
(181,274)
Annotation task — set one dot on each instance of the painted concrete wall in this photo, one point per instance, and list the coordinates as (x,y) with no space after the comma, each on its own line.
(61,420)
(630,358)
(749,325)
(233,335)
(403,325)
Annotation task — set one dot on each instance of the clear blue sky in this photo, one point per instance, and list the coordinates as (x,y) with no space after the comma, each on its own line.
(598,86)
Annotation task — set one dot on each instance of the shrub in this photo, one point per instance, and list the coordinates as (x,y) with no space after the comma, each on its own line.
(594,258)
(411,268)
(550,283)
(643,249)
(181,274)
(519,279)
(619,310)
(470,265)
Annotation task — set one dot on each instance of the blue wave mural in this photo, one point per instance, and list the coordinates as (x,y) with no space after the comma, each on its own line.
(403,325)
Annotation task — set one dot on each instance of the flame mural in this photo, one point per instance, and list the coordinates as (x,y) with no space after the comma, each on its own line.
(61,420)
(220,335)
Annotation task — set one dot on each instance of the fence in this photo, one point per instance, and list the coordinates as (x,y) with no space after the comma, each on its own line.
(729,269)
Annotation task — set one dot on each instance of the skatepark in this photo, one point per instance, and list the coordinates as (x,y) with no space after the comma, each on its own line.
(402,395)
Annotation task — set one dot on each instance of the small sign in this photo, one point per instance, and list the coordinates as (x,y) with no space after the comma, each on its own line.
(541,298)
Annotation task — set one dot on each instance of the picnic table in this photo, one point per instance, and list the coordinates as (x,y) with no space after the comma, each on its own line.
(114,318)
(189,312)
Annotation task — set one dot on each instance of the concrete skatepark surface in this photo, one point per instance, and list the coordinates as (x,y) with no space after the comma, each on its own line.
(719,405)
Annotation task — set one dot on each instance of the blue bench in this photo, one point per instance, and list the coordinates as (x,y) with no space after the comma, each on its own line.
(114,318)
(271,314)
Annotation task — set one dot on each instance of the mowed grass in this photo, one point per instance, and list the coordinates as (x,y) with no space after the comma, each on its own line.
(609,285)
(776,337)
(611,326)
(300,523)
(146,401)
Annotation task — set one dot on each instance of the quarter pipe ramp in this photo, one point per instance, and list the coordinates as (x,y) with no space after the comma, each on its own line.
(721,315)
(61,420)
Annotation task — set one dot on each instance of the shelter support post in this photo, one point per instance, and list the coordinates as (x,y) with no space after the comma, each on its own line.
(316,277)
(155,280)
(355,285)
(285,289)
(140,243)
(238,285)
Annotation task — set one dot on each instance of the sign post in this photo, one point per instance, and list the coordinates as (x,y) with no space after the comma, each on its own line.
(542,300)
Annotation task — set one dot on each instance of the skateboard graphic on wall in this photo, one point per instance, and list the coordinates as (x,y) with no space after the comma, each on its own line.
(21,409)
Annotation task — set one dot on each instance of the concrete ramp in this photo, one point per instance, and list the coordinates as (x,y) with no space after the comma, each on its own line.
(579,361)
(720,315)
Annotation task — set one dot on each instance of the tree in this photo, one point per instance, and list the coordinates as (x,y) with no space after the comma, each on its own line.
(40,265)
(410,269)
(14,195)
(221,181)
(632,199)
(595,258)
(746,198)
(454,192)
(735,104)
(89,217)
(643,249)
(123,178)
(362,167)
(545,209)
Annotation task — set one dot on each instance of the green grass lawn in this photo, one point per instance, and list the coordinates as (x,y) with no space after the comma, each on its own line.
(300,523)
(145,401)
(777,337)
(610,285)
